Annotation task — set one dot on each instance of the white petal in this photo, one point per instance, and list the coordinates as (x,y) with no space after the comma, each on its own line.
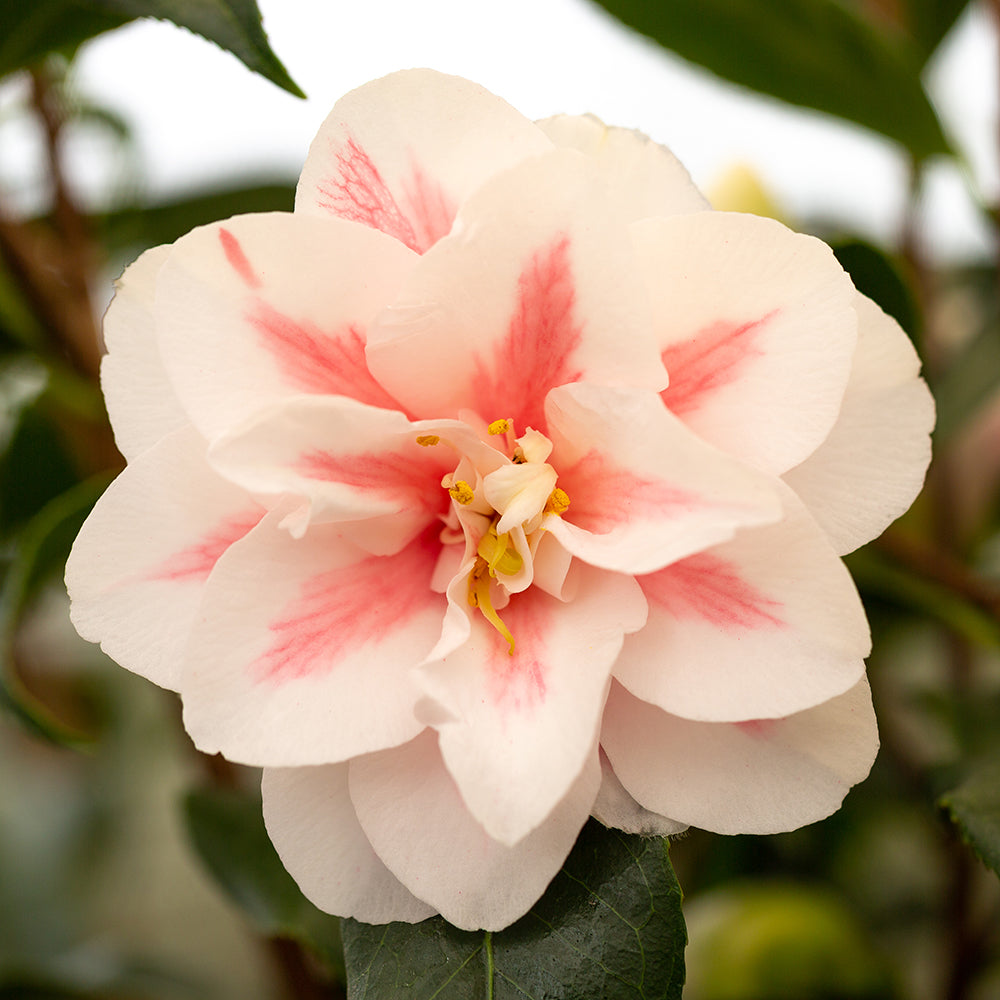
(614,807)
(311,821)
(871,467)
(765,776)
(757,331)
(759,627)
(410,808)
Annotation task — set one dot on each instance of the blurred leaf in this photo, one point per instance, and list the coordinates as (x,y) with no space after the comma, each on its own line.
(975,807)
(874,274)
(128,229)
(972,379)
(40,551)
(815,53)
(30,30)
(227,831)
(931,20)
(609,926)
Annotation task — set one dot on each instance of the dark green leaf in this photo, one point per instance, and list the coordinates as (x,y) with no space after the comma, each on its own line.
(975,807)
(40,552)
(931,20)
(227,831)
(30,31)
(609,926)
(815,53)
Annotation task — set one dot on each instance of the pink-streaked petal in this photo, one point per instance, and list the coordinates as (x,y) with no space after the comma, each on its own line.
(351,462)
(413,813)
(303,648)
(262,308)
(765,776)
(142,405)
(536,287)
(872,466)
(644,178)
(140,562)
(402,153)
(515,730)
(614,807)
(757,331)
(643,490)
(312,823)
(762,626)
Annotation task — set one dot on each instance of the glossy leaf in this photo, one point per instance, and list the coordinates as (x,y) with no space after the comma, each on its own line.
(975,807)
(815,53)
(609,926)
(29,31)
(227,831)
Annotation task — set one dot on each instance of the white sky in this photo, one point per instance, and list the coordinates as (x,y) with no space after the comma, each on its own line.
(199,115)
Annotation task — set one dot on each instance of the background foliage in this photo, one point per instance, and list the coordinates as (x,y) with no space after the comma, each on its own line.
(132,867)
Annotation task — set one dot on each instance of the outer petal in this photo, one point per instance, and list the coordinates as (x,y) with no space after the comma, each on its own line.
(264,307)
(303,648)
(614,807)
(348,460)
(401,154)
(414,815)
(644,178)
(311,820)
(516,730)
(759,627)
(140,562)
(871,467)
(643,490)
(757,331)
(536,287)
(141,403)
(765,776)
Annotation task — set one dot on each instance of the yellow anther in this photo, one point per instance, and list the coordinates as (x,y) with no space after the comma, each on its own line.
(428,440)
(500,426)
(461,492)
(500,558)
(479,597)
(557,503)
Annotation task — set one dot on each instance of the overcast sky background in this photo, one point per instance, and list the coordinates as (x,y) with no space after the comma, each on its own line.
(200,116)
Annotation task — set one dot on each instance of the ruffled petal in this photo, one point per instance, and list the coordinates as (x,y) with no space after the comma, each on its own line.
(872,465)
(536,287)
(303,648)
(644,178)
(413,813)
(643,490)
(614,807)
(402,153)
(139,565)
(141,402)
(261,308)
(762,626)
(757,331)
(763,776)
(311,821)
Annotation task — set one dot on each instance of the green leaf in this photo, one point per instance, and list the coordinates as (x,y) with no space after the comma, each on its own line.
(814,53)
(609,926)
(971,381)
(975,807)
(226,829)
(930,20)
(30,31)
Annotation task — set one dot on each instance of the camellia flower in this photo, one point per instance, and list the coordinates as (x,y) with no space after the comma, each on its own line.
(500,484)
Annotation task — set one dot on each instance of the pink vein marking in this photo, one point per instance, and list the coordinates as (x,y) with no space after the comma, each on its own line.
(339,612)
(603,495)
(196,561)
(705,586)
(534,356)
(710,359)
(358,193)
(412,476)
(238,259)
(433,212)
(517,682)
(332,363)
